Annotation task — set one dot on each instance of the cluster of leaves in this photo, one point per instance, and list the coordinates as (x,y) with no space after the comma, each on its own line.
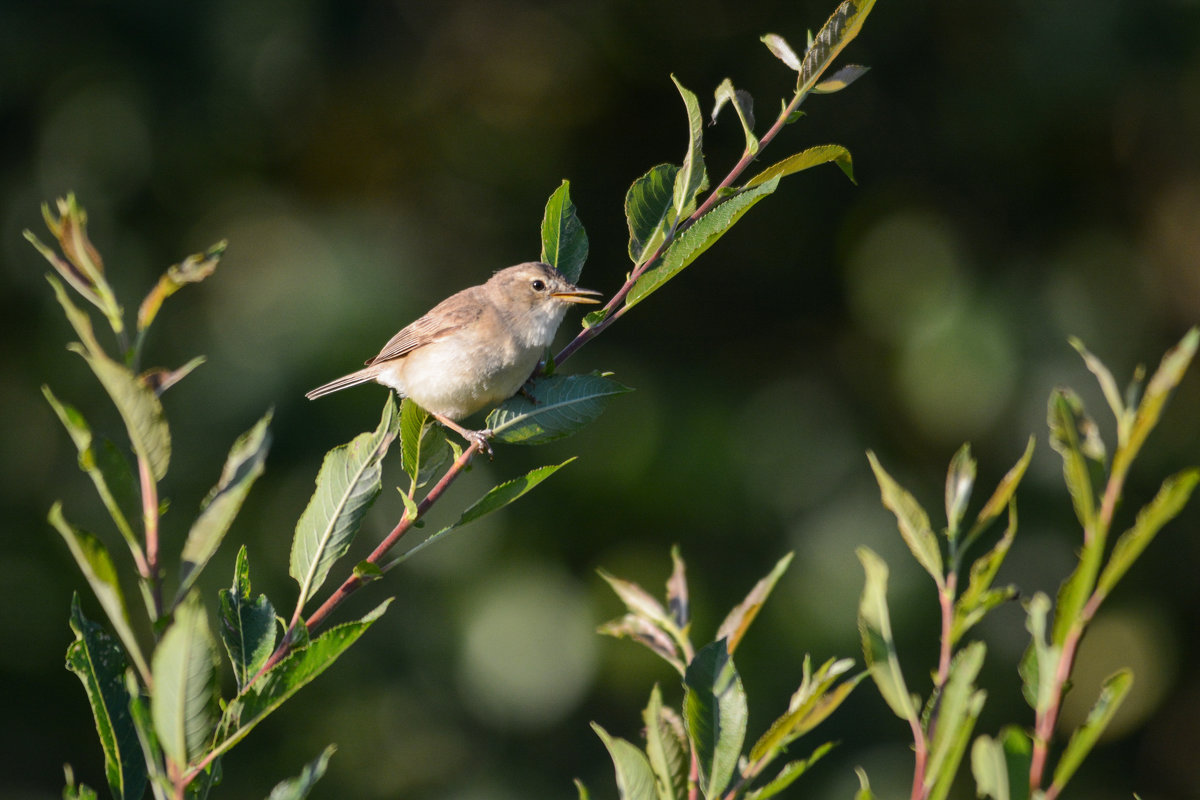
(1013,765)
(158,709)
(698,751)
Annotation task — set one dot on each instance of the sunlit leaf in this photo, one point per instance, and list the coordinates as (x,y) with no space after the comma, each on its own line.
(1074,436)
(912,520)
(242,467)
(879,648)
(715,715)
(635,778)
(1001,765)
(347,485)
(100,665)
(677,591)
(298,788)
(806,159)
(248,628)
(738,621)
(788,775)
(1168,375)
(978,598)
(559,406)
(424,449)
(1112,694)
(1041,658)
(960,480)
(840,79)
(743,105)
(646,633)
(184,703)
(648,205)
(666,748)
(564,241)
(691,178)
(1003,494)
(958,708)
(697,238)
(782,50)
(837,32)
(192,269)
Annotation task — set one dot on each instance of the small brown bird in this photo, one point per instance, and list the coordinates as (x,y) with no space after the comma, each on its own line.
(475,348)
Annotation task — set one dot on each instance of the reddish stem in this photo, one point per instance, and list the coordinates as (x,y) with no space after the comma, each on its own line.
(150,525)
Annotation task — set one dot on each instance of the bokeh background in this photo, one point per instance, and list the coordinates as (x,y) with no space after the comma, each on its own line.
(1027,171)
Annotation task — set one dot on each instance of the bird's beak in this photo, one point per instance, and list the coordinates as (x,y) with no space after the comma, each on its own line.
(578,296)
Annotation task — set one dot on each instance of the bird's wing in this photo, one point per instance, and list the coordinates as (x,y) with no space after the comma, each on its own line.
(444,319)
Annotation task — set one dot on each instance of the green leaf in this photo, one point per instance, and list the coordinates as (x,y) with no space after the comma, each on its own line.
(560,406)
(192,269)
(1001,766)
(812,157)
(698,237)
(290,675)
(677,591)
(715,714)
(1075,591)
(242,467)
(840,79)
(97,567)
(1112,694)
(1108,386)
(1003,494)
(1041,659)
(347,485)
(583,792)
(635,778)
(495,499)
(864,786)
(98,662)
(691,178)
(1075,437)
(184,704)
(835,34)
(76,792)
(152,756)
(743,105)
(639,601)
(1172,496)
(912,520)
(790,772)
(137,404)
(1168,375)
(978,598)
(811,705)
(106,467)
(738,621)
(958,708)
(298,788)
(424,449)
(879,648)
(782,50)
(564,241)
(648,206)
(666,748)
(247,624)
(644,632)
(960,480)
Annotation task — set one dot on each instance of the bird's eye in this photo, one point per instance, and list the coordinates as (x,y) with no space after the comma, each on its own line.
(538,285)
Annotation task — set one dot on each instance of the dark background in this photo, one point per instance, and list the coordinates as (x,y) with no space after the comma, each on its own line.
(1027,171)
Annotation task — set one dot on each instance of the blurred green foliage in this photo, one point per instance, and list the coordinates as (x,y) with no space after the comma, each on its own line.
(1027,172)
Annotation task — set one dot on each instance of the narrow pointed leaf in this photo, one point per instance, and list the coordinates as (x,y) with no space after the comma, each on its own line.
(635,778)
(838,31)
(956,713)
(1172,496)
(247,624)
(879,648)
(159,380)
(697,238)
(1168,375)
(152,755)
(646,633)
(97,567)
(564,241)
(100,665)
(137,404)
(1073,436)
(1108,386)
(298,788)
(691,178)
(715,714)
(1003,494)
(496,498)
(788,775)
(638,600)
(802,718)
(666,748)
(912,520)
(107,468)
(738,621)
(1075,591)
(184,704)
(806,159)
(242,467)
(648,205)
(561,406)
(976,597)
(743,105)
(1112,694)
(677,591)
(782,50)
(960,480)
(347,485)
(864,786)
(192,269)
(957,748)
(290,675)
(840,79)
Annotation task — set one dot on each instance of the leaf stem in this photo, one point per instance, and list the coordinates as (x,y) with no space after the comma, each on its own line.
(150,525)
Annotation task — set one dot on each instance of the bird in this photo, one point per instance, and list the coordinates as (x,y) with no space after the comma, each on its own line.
(474,349)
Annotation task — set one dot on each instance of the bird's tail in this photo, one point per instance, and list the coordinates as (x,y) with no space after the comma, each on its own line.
(353,379)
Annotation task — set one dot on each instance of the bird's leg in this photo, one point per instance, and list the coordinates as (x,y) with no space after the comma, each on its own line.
(477,438)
